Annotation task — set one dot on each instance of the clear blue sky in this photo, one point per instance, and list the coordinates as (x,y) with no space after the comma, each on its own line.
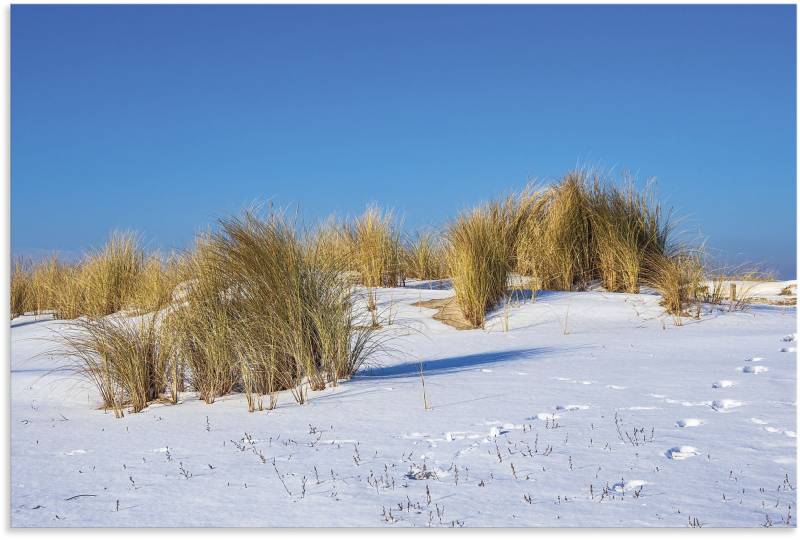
(162,119)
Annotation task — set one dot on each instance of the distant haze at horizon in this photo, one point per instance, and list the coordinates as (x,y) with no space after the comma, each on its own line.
(161,119)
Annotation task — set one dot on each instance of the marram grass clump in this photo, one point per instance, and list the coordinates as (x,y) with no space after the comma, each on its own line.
(480,254)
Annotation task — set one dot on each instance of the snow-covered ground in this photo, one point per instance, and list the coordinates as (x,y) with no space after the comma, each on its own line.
(593,409)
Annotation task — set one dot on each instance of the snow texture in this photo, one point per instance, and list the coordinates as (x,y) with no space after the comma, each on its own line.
(594,409)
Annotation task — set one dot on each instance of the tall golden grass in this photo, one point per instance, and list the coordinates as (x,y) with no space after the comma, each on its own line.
(424,257)
(259,306)
(118,276)
(375,240)
(480,254)
(554,244)
(628,230)
(21,290)
(677,276)
(124,358)
(264,313)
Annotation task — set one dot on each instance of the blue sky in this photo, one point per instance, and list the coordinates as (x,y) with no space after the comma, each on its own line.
(161,119)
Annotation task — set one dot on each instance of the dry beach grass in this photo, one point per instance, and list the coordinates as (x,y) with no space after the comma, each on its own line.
(260,306)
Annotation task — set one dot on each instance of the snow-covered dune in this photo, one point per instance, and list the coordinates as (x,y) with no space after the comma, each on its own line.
(593,409)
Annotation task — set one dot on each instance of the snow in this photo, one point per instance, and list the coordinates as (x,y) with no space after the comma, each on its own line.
(594,409)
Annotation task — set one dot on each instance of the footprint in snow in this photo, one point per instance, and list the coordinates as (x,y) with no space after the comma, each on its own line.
(687,403)
(451,436)
(615,387)
(724,405)
(689,422)
(681,452)
(630,485)
(789,349)
(755,370)
(755,359)
(543,416)
(790,433)
(415,435)
(486,370)
(571,407)
(722,384)
(772,429)
(75,452)
(758,421)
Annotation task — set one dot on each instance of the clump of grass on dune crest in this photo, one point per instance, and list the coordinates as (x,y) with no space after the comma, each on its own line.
(627,231)
(554,245)
(331,246)
(155,283)
(480,255)
(123,358)
(264,314)
(376,248)
(677,276)
(201,328)
(585,228)
(110,275)
(424,257)
(47,279)
(21,292)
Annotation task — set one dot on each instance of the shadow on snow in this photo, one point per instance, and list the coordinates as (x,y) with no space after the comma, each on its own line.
(450,364)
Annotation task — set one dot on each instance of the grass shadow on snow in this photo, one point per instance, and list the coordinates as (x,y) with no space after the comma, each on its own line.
(434,284)
(450,364)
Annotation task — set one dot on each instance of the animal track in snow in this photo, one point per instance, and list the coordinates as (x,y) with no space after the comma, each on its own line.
(723,384)
(723,405)
(681,452)
(755,370)
(689,422)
